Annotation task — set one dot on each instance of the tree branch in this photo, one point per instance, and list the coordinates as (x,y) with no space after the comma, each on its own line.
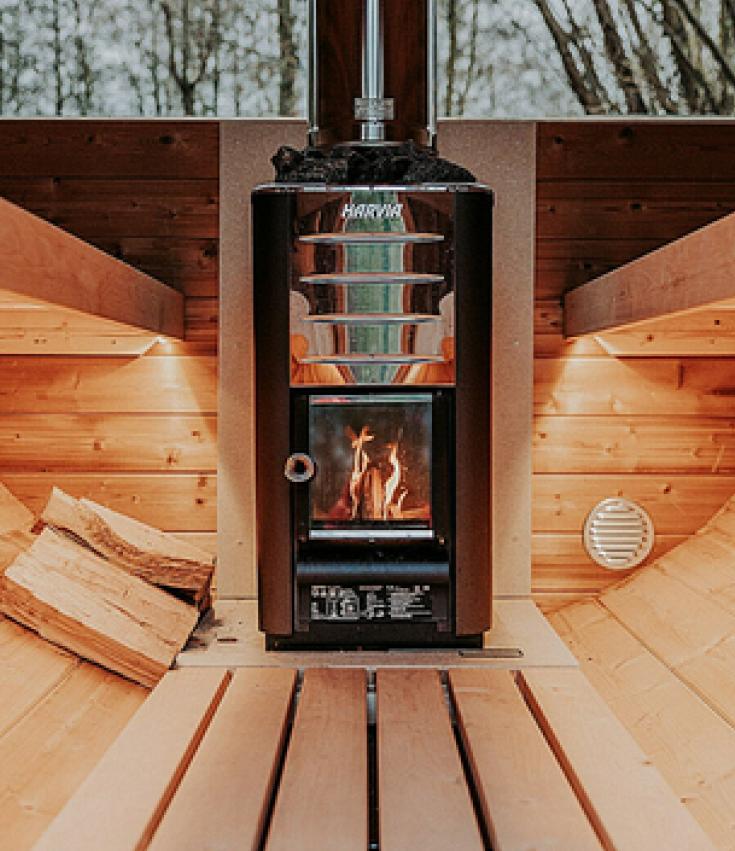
(615,51)
(589,99)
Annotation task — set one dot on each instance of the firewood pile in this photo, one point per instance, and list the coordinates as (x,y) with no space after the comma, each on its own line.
(107,587)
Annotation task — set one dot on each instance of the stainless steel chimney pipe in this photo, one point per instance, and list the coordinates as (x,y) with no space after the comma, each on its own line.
(373,77)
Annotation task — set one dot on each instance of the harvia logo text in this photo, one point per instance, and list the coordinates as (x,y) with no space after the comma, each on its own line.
(372,211)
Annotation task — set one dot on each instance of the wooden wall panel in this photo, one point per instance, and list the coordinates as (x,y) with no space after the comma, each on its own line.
(658,430)
(138,434)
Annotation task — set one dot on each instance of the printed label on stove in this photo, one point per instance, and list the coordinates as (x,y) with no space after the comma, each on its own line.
(371,603)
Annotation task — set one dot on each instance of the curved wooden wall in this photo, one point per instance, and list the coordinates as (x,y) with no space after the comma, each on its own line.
(658,430)
(138,434)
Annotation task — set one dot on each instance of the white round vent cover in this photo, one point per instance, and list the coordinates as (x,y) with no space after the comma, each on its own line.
(618,534)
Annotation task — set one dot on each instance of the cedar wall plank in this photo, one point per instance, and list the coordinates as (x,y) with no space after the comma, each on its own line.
(137,434)
(657,430)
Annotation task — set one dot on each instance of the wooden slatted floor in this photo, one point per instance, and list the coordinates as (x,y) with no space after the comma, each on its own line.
(399,759)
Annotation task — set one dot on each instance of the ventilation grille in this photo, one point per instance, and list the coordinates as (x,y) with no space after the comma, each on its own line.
(618,534)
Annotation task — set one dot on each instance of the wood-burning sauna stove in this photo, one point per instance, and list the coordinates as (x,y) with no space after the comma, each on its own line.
(373,360)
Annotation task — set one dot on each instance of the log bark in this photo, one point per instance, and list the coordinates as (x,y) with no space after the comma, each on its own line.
(75,599)
(141,550)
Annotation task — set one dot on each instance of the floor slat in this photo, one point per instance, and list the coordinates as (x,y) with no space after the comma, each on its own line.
(524,795)
(424,799)
(121,801)
(223,799)
(322,802)
(626,798)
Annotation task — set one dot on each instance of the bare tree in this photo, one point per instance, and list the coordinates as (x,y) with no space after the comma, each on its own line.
(191,31)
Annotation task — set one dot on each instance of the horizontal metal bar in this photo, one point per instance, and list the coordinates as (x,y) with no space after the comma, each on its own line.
(369,534)
(379,278)
(333,573)
(370,360)
(372,318)
(370,237)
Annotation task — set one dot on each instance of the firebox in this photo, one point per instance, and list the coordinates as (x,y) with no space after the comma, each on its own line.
(373,371)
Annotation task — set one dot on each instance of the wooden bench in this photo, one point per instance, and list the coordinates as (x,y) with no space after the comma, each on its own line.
(659,647)
(400,759)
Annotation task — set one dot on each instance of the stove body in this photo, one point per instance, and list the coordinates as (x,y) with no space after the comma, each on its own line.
(373,375)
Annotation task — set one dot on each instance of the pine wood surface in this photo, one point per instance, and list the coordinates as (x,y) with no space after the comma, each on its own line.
(147,193)
(53,747)
(678,504)
(145,765)
(45,263)
(418,763)
(81,602)
(525,797)
(689,743)
(223,799)
(626,799)
(691,272)
(654,429)
(14,515)
(108,442)
(175,503)
(31,669)
(641,444)
(65,385)
(322,799)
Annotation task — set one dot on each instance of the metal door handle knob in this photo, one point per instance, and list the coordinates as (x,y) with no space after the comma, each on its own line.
(299,468)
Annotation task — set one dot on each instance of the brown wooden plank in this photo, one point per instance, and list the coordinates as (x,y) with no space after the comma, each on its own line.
(682,610)
(691,272)
(165,384)
(633,444)
(678,504)
(525,797)
(189,265)
(657,386)
(173,503)
(692,747)
(322,801)
(623,150)
(560,563)
(70,729)
(223,798)
(115,206)
(14,515)
(424,800)
(106,443)
(201,317)
(45,263)
(23,653)
(127,149)
(143,767)
(630,209)
(85,604)
(663,342)
(625,797)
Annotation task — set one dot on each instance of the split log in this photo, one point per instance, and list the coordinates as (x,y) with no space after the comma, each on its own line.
(14,516)
(81,602)
(161,559)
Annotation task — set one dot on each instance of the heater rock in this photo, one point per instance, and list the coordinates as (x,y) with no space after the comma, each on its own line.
(364,164)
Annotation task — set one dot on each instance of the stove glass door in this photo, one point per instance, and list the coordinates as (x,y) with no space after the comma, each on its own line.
(373,457)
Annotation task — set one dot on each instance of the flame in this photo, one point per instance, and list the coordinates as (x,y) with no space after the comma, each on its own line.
(392,484)
(370,497)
